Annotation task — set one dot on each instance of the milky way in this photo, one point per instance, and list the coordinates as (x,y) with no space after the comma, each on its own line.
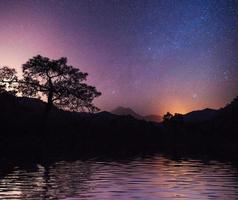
(152,56)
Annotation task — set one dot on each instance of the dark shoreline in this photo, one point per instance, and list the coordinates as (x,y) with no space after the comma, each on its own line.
(25,135)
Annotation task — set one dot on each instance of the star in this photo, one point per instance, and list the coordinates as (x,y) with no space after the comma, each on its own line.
(194,96)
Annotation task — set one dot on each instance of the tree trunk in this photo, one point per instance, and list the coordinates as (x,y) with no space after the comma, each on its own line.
(49,100)
(46,113)
(49,104)
(48,108)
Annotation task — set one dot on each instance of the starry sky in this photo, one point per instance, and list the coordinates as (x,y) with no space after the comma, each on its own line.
(151,55)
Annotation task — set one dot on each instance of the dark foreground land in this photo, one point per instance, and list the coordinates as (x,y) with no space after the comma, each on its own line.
(26,132)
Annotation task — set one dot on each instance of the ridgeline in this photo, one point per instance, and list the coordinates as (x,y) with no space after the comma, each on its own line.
(26,133)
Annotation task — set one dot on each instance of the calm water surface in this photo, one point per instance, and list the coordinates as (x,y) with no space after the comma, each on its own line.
(148,178)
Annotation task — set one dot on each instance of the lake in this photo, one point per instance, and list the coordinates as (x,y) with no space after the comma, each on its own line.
(144,178)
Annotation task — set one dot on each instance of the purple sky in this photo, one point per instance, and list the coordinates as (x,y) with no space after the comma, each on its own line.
(152,56)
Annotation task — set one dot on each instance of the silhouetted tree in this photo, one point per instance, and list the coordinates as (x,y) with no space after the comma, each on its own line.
(177,122)
(178,118)
(167,117)
(8,80)
(62,84)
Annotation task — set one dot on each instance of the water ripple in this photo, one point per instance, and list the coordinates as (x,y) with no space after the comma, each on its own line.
(143,178)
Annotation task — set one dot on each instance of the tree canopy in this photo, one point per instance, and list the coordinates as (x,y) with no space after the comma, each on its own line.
(8,80)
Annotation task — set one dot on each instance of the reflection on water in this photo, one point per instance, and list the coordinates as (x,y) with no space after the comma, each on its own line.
(142,178)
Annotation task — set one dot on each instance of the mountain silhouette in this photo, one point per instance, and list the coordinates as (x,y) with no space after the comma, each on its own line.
(153,118)
(128,111)
(26,133)
(201,115)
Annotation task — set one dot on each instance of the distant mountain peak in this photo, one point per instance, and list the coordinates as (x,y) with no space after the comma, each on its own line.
(128,111)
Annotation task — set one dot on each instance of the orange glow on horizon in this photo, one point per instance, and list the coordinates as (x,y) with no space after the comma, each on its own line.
(176,107)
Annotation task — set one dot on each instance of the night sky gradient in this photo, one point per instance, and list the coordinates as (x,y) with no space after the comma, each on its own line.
(152,56)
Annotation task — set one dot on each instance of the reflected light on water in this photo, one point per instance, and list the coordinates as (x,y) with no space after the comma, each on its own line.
(142,178)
